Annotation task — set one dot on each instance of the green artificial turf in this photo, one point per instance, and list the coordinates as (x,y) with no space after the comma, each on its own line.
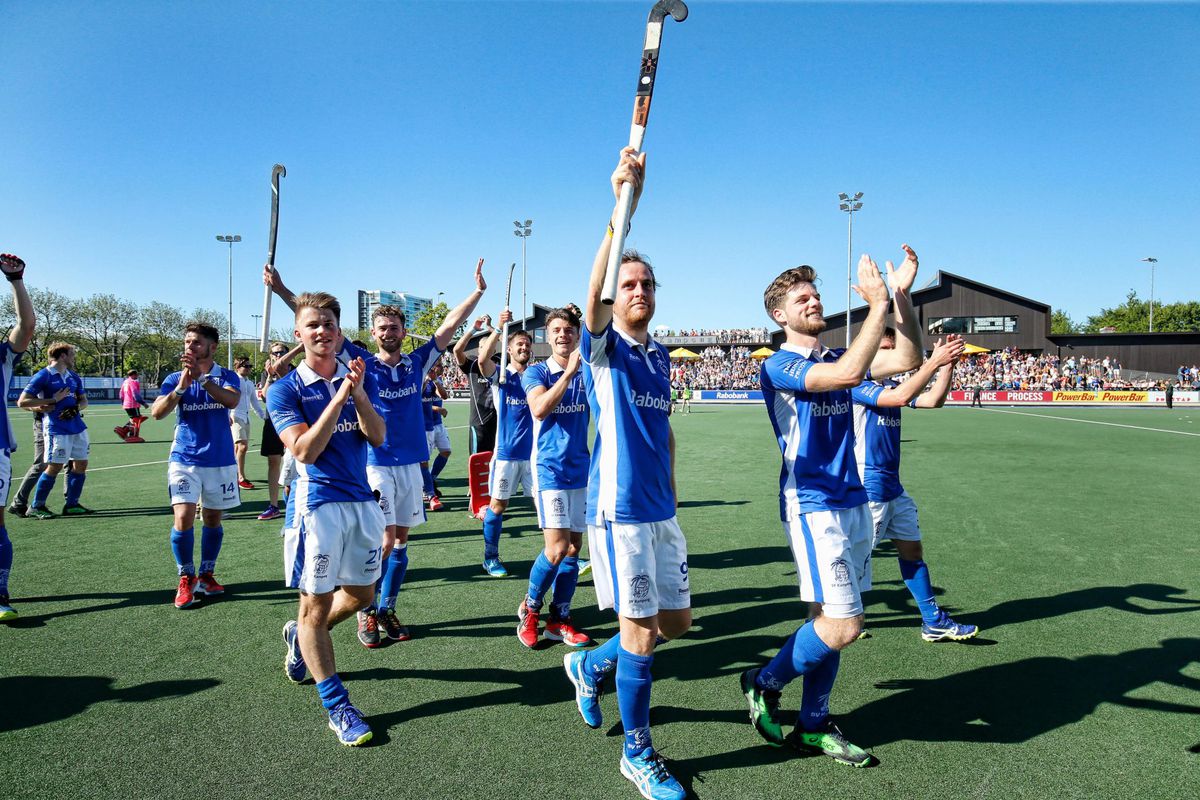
(1072,545)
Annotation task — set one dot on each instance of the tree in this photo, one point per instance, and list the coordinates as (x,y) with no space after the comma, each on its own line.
(159,340)
(427,323)
(1061,322)
(55,315)
(104,323)
(1133,316)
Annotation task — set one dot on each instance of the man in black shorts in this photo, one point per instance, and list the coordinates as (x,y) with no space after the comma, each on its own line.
(483,412)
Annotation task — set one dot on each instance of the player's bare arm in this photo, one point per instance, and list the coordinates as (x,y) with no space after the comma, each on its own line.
(460,347)
(543,401)
(223,395)
(31,403)
(630,169)
(848,371)
(487,348)
(936,396)
(909,347)
(22,333)
(944,353)
(272,278)
(459,313)
(307,443)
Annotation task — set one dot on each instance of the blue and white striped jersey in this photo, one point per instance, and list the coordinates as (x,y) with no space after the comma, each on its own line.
(203,437)
(815,431)
(398,401)
(46,383)
(514,425)
(877,441)
(629,388)
(560,457)
(8,360)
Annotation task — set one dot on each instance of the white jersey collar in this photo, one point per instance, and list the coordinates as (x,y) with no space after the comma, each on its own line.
(807,352)
(309,375)
(632,342)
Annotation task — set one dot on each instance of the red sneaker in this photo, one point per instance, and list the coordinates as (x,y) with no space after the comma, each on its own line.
(207,585)
(561,630)
(185,595)
(435,504)
(245,484)
(527,625)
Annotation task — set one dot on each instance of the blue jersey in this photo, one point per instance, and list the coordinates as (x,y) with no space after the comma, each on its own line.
(629,388)
(560,452)
(399,403)
(339,475)
(815,431)
(514,425)
(46,383)
(877,441)
(8,360)
(203,437)
(429,403)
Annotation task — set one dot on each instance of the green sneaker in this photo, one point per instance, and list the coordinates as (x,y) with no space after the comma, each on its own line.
(75,510)
(40,512)
(764,708)
(829,740)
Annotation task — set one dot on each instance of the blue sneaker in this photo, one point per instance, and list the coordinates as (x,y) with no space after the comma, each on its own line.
(649,774)
(347,722)
(587,689)
(945,629)
(7,612)
(293,661)
(494,568)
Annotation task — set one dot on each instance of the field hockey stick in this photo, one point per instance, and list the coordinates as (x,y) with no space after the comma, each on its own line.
(637,132)
(279,171)
(504,344)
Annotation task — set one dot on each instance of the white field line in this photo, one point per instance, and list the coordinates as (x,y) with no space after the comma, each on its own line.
(1090,422)
(125,466)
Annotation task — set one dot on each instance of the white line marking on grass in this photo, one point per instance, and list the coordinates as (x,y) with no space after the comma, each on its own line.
(1090,421)
(126,466)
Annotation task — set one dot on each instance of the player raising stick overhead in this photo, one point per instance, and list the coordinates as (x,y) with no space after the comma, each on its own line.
(201,467)
(559,465)
(821,499)
(638,552)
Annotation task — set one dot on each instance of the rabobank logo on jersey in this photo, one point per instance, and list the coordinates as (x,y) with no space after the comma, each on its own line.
(830,409)
(211,405)
(396,394)
(515,401)
(648,400)
(345,426)
(888,422)
(575,408)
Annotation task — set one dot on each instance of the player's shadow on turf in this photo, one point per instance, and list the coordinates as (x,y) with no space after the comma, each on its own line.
(1014,702)
(253,590)
(706,503)
(31,700)
(742,557)
(144,511)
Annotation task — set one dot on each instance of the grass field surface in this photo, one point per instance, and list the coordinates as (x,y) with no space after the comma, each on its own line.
(1072,545)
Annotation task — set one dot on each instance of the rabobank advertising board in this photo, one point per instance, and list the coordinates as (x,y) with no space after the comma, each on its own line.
(730,395)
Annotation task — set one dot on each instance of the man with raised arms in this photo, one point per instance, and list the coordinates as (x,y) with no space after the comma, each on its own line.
(202,467)
(558,404)
(57,391)
(514,437)
(325,414)
(394,466)
(639,554)
(12,347)
(822,502)
(877,452)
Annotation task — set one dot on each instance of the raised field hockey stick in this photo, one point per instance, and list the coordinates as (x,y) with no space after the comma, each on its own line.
(277,172)
(504,343)
(637,131)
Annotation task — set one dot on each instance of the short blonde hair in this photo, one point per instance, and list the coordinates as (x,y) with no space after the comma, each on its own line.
(321,300)
(59,349)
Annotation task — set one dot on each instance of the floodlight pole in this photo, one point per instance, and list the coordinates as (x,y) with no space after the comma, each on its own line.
(230,240)
(1151,262)
(523,232)
(849,205)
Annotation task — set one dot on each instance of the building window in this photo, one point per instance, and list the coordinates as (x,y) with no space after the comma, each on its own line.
(964,325)
(539,335)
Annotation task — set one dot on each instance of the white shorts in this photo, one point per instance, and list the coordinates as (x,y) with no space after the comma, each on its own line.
(832,550)
(639,568)
(64,447)
(215,486)
(400,490)
(5,475)
(438,440)
(241,430)
(896,519)
(565,509)
(504,476)
(332,545)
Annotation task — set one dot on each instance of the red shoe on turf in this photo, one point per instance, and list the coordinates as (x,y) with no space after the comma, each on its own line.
(561,630)
(185,595)
(207,585)
(435,504)
(527,625)
(245,484)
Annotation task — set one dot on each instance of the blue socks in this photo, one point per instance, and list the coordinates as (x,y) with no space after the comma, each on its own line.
(799,656)
(393,576)
(916,578)
(603,659)
(182,544)
(818,683)
(6,555)
(332,692)
(540,578)
(42,492)
(633,698)
(427,479)
(493,524)
(210,547)
(439,464)
(564,586)
(75,487)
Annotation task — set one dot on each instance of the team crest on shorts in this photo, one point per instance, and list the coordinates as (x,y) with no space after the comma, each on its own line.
(558,507)
(639,588)
(383,503)
(320,565)
(184,485)
(504,484)
(841,572)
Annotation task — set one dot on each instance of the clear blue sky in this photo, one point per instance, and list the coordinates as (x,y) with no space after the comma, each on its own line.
(1043,148)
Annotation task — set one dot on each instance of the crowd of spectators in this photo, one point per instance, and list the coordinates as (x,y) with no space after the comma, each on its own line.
(1012,370)
(717,369)
(723,335)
